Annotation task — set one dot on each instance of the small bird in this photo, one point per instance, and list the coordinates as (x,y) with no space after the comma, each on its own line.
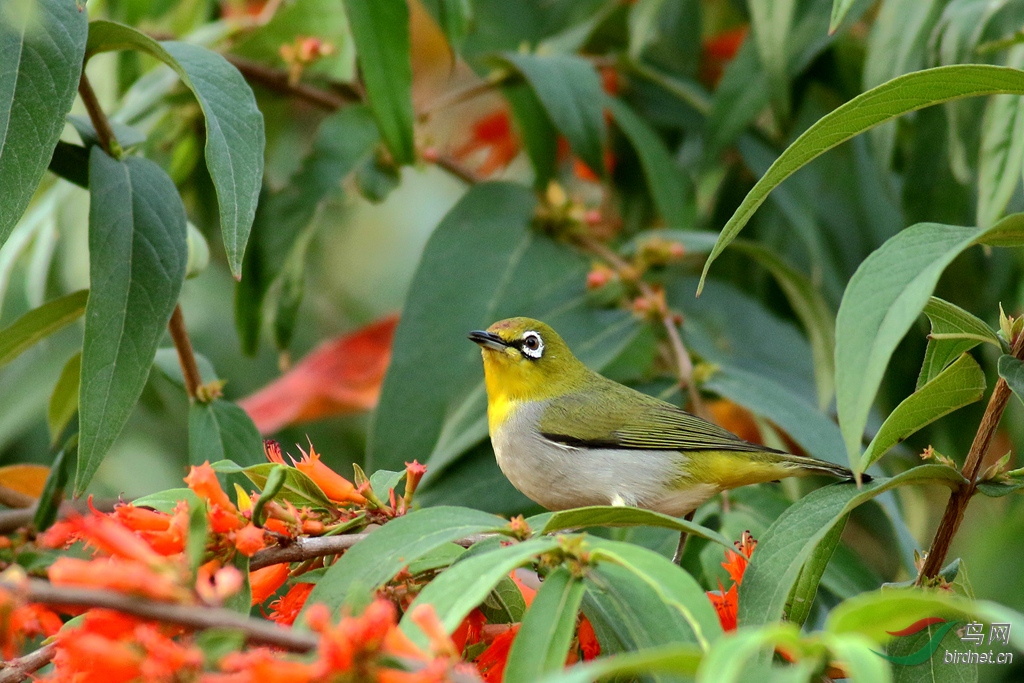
(567,437)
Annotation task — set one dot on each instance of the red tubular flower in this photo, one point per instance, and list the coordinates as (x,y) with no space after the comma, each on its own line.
(588,640)
(125,576)
(105,534)
(493,133)
(286,608)
(491,662)
(726,603)
(262,665)
(203,482)
(265,582)
(470,630)
(93,658)
(165,533)
(249,540)
(336,487)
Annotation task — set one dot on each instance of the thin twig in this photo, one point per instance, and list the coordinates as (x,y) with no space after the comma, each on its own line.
(306,548)
(277,80)
(21,668)
(684,366)
(186,356)
(958,500)
(104,132)
(12,520)
(455,168)
(15,499)
(453,97)
(190,616)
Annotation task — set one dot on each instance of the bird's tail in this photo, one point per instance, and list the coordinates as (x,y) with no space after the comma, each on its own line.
(814,466)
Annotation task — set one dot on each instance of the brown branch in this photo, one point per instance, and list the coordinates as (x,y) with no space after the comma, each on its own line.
(307,548)
(15,499)
(21,668)
(684,366)
(278,81)
(186,356)
(12,520)
(953,515)
(454,168)
(104,132)
(194,617)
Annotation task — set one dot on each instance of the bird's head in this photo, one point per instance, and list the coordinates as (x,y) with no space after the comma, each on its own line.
(526,360)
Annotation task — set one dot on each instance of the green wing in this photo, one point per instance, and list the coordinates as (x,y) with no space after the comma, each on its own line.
(611,415)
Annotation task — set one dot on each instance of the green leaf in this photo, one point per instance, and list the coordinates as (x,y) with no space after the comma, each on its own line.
(70,162)
(455,17)
(798,605)
(881,302)
(543,640)
(954,332)
(1012,370)
(234,125)
(298,488)
(839,10)
(681,659)
(167,362)
(455,592)
(165,501)
(137,257)
(540,138)
(195,541)
(41,47)
(221,430)
(676,588)
(738,657)
(665,180)
(64,399)
(56,482)
(381,32)
(505,604)
(623,516)
(859,658)
(375,560)
(434,408)
(811,308)
(785,547)
(571,93)
(382,481)
(887,101)
(960,384)
(1002,149)
(39,323)
(770,22)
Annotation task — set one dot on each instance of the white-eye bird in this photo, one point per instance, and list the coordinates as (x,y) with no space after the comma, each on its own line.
(567,437)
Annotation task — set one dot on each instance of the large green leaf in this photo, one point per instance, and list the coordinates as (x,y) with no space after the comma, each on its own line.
(41,47)
(622,516)
(958,385)
(234,125)
(676,588)
(64,399)
(485,256)
(381,32)
(464,585)
(887,101)
(543,640)
(40,322)
(375,560)
(220,430)
(570,91)
(137,258)
(801,598)
(297,488)
(681,660)
(785,547)
(954,331)
(665,180)
(881,302)
(1012,370)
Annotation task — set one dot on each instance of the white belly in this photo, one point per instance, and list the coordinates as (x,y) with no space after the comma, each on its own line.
(559,477)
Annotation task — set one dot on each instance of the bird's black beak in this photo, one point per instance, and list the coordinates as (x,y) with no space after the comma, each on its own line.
(488,340)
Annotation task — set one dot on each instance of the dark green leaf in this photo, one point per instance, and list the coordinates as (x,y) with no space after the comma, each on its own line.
(954,331)
(570,91)
(64,399)
(298,488)
(127,136)
(71,162)
(798,606)
(958,385)
(540,138)
(275,482)
(166,361)
(137,256)
(785,547)
(56,482)
(505,604)
(381,32)
(669,188)
(547,629)
(220,430)
(670,659)
(434,408)
(622,516)
(234,125)
(374,561)
(881,302)
(41,47)
(195,542)
(165,501)
(438,558)
(40,322)
(997,488)
(887,101)
(1012,370)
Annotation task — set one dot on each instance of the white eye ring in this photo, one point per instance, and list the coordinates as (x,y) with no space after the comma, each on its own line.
(534,352)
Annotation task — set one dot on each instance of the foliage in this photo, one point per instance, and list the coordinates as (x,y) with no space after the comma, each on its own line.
(600,159)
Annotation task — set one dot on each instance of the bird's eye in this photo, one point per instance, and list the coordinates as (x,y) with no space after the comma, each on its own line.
(532,345)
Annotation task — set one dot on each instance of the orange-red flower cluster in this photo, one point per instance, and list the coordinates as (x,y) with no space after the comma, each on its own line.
(727,602)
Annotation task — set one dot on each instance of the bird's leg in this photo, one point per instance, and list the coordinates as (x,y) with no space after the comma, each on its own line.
(678,557)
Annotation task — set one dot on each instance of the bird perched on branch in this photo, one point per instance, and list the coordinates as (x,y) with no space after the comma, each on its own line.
(568,437)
